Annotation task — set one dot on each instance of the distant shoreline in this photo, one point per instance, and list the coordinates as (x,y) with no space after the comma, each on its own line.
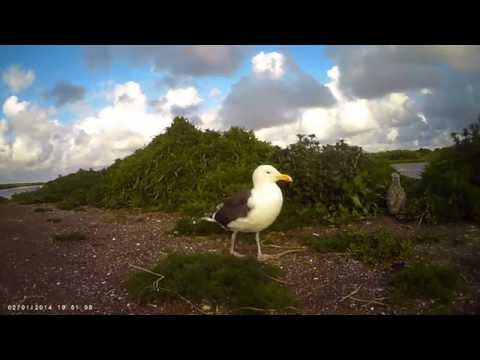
(15,185)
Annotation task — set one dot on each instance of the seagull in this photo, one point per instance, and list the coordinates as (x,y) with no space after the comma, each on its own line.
(254,210)
(396,196)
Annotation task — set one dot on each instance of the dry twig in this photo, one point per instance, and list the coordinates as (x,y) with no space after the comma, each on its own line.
(351,294)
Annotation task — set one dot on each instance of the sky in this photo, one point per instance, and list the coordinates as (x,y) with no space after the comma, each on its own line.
(70,107)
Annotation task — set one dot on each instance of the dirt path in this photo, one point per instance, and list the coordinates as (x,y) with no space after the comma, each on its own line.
(87,277)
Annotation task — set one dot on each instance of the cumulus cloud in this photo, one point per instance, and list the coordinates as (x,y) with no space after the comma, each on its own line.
(389,121)
(270,65)
(394,97)
(375,70)
(274,93)
(64,92)
(18,79)
(442,81)
(196,60)
(34,145)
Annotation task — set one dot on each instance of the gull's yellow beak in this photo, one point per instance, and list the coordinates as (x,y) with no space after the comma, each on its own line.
(284,177)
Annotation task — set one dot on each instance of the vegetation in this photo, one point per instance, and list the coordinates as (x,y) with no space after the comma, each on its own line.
(85,187)
(191,171)
(333,183)
(376,247)
(54,220)
(449,190)
(41,210)
(217,280)
(405,156)
(70,236)
(425,281)
(3,200)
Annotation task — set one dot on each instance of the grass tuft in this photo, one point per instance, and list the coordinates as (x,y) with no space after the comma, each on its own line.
(377,247)
(425,281)
(70,236)
(236,284)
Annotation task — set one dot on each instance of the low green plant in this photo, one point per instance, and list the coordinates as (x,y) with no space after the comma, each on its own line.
(70,236)
(236,284)
(42,210)
(375,247)
(54,220)
(380,247)
(339,242)
(425,281)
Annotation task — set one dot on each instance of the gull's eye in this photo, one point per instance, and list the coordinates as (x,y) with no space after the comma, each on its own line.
(268,172)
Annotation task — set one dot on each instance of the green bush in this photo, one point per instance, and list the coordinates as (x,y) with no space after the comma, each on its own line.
(449,190)
(425,281)
(333,183)
(214,279)
(404,156)
(85,187)
(191,171)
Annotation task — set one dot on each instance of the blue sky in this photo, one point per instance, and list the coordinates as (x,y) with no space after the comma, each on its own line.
(66,107)
(52,64)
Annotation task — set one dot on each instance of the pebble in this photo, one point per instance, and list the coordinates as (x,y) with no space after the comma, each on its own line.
(58,283)
(138,244)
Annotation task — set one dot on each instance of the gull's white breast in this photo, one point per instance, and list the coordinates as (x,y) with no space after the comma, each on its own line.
(266,202)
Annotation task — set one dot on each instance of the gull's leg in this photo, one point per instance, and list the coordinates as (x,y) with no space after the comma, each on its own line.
(232,246)
(265,257)
(260,256)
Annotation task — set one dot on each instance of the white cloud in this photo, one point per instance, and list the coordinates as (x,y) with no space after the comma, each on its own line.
(392,135)
(34,145)
(215,93)
(18,79)
(363,122)
(422,118)
(270,65)
(183,97)
(12,106)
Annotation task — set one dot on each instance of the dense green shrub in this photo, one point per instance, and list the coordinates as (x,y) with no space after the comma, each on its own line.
(333,183)
(191,171)
(85,187)
(186,169)
(450,186)
(403,156)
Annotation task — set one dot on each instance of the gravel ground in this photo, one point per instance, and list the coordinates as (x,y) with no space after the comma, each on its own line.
(42,276)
